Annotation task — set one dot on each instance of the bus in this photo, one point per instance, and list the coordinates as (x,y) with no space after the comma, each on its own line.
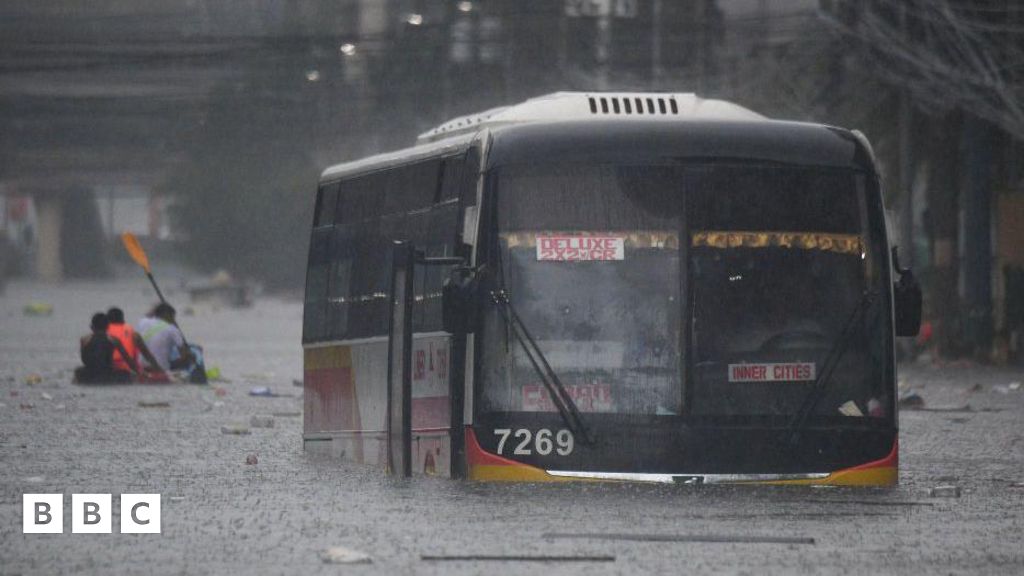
(648,287)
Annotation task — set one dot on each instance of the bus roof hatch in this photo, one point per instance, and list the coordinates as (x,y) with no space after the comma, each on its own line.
(560,106)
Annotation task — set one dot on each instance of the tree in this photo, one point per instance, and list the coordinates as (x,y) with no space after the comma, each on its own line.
(247,186)
(951,54)
(962,63)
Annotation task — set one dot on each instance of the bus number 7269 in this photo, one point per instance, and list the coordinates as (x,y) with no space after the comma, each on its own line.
(542,443)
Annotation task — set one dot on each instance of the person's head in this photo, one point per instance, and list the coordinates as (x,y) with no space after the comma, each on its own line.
(115,315)
(99,323)
(165,312)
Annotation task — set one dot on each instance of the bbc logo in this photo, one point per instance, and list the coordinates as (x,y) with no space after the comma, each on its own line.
(90,513)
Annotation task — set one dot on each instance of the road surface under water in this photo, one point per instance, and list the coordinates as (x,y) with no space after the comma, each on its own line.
(222,516)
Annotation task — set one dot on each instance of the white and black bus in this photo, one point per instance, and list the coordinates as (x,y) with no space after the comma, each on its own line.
(648,287)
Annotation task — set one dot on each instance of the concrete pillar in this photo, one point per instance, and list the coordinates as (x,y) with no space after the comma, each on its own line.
(50,218)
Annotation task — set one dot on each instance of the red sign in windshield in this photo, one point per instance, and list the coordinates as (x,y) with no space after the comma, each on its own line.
(587,397)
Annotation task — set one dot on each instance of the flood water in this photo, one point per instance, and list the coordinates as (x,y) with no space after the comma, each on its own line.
(223,516)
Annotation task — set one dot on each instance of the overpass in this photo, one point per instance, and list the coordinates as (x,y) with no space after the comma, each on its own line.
(107,96)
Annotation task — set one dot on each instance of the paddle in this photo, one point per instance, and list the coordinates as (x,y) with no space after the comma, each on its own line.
(131,244)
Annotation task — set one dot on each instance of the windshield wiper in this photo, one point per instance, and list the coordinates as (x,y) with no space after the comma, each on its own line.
(559,395)
(828,367)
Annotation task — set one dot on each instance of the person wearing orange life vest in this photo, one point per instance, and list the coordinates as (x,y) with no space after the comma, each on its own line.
(130,340)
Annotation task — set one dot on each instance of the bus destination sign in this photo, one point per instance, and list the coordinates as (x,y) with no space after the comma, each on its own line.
(786,372)
(564,248)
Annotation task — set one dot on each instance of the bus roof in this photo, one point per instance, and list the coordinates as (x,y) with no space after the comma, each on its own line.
(617,127)
(446,147)
(562,106)
(617,140)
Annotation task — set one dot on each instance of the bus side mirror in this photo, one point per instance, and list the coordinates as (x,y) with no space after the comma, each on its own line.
(459,301)
(906,299)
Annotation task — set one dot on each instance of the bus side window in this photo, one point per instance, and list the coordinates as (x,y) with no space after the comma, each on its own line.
(357,255)
(415,231)
(360,199)
(451,178)
(442,223)
(412,187)
(314,322)
(325,205)
(338,302)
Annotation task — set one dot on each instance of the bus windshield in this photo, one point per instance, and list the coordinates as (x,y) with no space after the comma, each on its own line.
(772,263)
(780,260)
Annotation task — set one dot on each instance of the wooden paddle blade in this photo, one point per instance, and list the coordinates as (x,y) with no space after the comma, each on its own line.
(131,244)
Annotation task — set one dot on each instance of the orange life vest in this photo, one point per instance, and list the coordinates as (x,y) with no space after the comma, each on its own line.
(126,335)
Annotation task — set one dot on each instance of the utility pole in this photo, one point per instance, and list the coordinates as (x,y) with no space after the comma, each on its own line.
(603,48)
(656,71)
(943,152)
(906,165)
(977,234)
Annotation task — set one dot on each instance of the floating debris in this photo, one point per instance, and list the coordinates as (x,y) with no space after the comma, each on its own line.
(514,558)
(964,408)
(252,460)
(208,406)
(33,379)
(235,429)
(46,396)
(154,404)
(911,401)
(869,502)
(703,538)
(1011,387)
(261,421)
(286,414)
(945,491)
(38,309)
(341,555)
(263,391)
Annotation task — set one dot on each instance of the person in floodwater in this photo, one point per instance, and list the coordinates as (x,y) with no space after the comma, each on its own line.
(97,351)
(164,339)
(133,344)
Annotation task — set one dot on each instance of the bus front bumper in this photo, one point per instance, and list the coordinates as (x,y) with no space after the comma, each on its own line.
(486,467)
